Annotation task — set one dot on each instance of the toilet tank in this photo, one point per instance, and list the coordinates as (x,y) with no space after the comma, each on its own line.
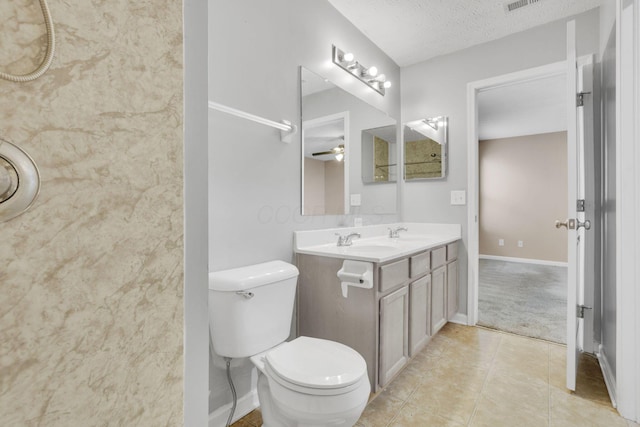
(250,308)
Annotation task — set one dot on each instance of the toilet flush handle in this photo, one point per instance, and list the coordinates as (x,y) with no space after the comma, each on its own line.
(246,294)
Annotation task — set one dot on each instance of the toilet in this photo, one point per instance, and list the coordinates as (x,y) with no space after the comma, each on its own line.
(306,382)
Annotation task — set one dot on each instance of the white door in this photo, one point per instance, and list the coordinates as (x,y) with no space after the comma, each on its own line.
(579,79)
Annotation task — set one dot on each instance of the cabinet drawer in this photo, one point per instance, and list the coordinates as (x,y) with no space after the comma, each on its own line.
(438,257)
(420,264)
(452,251)
(391,275)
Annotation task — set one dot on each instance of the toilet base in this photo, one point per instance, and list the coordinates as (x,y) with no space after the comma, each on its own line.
(280,414)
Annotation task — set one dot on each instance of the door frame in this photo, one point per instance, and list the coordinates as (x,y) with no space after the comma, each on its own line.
(627,382)
(196,205)
(473,89)
(346,126)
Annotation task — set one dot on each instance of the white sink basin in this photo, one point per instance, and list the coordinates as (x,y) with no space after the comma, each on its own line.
(414,238)
(375,245)
(371,248)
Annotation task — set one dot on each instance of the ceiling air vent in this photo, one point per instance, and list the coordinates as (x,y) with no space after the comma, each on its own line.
(518,4)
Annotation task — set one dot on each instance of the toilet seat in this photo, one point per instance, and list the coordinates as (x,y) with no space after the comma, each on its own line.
(316,366)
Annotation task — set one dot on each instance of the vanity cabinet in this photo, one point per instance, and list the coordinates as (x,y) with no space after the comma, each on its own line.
(452,289)
(419,319)
(387,324)
(452,280)
(438,299)
(394,334)
(438,289)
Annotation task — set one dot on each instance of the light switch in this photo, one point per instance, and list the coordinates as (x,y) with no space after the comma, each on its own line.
(355,200)
(458,197)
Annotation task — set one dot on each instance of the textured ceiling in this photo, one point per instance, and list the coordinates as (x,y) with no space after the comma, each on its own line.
(411,31)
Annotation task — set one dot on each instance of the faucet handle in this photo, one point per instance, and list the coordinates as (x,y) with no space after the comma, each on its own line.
(346,240)
(393,234)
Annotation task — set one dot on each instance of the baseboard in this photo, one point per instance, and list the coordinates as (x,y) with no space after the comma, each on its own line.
(607,373)
(459,318)
(246,404)
(524,260)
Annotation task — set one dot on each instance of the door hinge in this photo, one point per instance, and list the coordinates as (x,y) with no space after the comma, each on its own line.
(580,98)
(581,309)
(580,205)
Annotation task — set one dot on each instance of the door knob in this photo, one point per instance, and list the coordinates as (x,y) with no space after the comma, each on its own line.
(573,224)
(586,224)
(569,223)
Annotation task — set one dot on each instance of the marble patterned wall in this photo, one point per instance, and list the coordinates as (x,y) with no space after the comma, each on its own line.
(91,277)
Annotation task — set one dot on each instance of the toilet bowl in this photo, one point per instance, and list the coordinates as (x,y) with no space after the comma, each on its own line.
(306,382)
(311,382)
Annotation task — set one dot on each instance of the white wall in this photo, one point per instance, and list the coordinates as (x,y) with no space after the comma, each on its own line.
(314,194)
(255,49)
(522,191)
(438,87)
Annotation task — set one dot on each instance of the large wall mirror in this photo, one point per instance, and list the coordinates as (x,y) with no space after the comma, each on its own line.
(425,148)
(349,152)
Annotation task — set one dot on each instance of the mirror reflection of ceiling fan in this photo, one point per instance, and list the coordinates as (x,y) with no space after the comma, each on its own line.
(323,141)
(335,150)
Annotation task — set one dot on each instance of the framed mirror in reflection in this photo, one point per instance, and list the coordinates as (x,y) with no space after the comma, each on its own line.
(339,132)
(425,148)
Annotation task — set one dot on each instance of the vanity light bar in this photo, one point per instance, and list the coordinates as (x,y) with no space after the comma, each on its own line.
(368,76)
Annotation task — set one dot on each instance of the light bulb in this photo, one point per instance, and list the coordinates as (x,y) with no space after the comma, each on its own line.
(348,57)
(339,157)
(387,84)
(373,71)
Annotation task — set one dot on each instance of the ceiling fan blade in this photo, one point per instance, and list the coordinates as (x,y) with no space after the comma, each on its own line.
(336,150)
(322,153)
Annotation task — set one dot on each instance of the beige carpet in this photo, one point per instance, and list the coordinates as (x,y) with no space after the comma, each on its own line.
(526,299)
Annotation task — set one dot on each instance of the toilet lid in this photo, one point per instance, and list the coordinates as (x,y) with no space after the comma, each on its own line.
(317,363)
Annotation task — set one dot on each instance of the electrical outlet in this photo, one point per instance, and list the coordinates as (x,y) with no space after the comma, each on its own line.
(355,199)
(520,243)
(500,242)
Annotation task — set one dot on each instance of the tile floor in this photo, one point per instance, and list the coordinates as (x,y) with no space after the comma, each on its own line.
(471,376)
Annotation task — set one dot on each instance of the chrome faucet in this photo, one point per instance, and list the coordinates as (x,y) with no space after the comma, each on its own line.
(346,240)
(393,234)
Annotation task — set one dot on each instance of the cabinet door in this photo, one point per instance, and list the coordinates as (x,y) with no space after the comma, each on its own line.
(452,289)
(438,299)
(394,334)
(419,314)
